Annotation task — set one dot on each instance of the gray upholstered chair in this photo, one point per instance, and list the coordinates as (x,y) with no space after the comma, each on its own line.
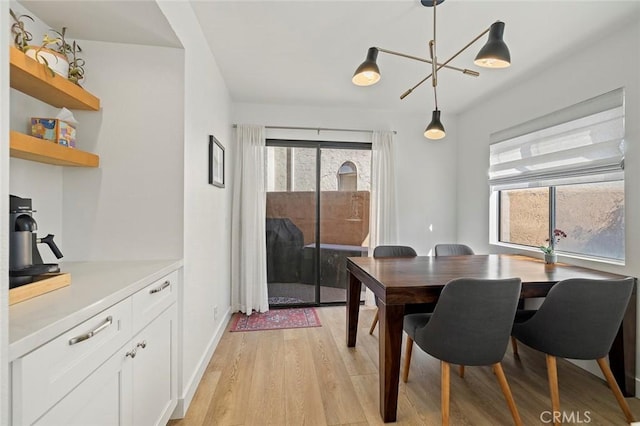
(452,250)
(461,250)
(439,250)
(578,319)
(390,251)
(470,325)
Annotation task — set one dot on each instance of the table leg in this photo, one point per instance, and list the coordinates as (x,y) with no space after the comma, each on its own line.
(353,309)
(622,355)
(390,344)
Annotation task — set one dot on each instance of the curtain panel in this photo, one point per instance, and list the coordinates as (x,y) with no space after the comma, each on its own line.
(248,241)
(383,227)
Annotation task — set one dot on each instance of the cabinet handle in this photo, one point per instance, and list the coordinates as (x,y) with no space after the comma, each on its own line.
(131,353)
(142,344)
(107,322)
(159,289)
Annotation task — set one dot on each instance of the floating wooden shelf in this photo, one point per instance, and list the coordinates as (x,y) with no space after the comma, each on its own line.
(34,149)
(32,78)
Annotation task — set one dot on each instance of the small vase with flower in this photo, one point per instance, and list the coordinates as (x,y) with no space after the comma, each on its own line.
(550,256)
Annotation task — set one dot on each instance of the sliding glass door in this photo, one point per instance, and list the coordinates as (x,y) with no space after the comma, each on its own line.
(317,216)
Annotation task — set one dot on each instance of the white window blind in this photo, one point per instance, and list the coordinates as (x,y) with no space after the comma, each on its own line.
(578,144)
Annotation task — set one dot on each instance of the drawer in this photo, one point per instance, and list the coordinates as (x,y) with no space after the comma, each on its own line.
(149,302)
(42,377)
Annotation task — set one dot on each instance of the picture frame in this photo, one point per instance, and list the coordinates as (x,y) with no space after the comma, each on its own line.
(216,162)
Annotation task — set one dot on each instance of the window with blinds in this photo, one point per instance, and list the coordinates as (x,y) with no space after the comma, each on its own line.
(563,171)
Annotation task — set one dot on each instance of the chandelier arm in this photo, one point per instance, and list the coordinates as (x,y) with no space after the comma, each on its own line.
(434,69)
(416,58)
(408,92)
(444,64)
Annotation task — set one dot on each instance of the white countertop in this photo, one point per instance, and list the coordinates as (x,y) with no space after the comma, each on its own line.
(95,286)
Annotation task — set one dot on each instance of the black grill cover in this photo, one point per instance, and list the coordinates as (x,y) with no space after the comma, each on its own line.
(284,250)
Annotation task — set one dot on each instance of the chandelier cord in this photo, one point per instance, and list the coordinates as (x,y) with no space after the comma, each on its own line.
(434,58)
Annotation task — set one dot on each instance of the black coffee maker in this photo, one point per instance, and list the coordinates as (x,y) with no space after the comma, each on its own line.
(25,262)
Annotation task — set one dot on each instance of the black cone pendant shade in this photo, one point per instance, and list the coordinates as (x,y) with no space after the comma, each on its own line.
(494,54)
(368,72)
(435,129)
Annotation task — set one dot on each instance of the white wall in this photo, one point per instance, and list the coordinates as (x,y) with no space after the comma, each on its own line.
(207,209)
(426,174)
(565,82)
(611,62)
(131,207)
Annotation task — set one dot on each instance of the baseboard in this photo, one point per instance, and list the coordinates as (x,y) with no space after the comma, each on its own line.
(591,367)
(189,391)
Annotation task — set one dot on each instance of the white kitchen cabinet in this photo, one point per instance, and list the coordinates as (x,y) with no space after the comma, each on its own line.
(44,376)
(103,399)
(154,373)
(117,368)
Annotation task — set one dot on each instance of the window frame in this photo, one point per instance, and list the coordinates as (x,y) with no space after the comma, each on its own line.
(495,231)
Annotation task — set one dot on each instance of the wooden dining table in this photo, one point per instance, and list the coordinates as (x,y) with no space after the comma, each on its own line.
(397,282)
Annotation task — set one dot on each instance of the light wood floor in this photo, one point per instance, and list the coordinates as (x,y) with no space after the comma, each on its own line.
(308,376)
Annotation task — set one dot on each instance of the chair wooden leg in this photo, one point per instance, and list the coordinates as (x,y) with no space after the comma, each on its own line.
(606,370)
(461,371)
(444,401)
(374,323)
(552,373)
(497,368)
(514,345)
(407,359)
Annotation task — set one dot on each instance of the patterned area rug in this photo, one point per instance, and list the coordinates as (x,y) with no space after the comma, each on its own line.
(276,319)
(281,300)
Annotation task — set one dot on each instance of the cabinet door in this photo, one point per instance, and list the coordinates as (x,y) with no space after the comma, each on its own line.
(155,370)
(46,375)
(104,398)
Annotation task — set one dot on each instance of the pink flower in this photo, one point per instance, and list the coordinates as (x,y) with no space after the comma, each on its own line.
(558,234)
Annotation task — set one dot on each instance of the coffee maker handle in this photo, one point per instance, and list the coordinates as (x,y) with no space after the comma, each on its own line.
(48,240)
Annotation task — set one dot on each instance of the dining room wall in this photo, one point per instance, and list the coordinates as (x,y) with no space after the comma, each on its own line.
(425,170)
(607,62)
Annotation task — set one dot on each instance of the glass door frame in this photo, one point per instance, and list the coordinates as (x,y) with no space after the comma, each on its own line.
(318,145)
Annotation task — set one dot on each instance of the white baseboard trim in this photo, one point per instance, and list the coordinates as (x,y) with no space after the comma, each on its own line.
(591,367)
(189,391)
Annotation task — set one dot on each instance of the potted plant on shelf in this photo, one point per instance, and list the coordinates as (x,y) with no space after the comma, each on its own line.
(76,65)
(52,53)
(21,37)
(550,255)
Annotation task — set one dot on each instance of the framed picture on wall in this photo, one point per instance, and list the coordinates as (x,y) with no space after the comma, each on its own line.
(216,162)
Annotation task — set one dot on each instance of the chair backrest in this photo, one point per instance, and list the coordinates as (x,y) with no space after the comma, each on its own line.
(394,251)
(472,321)
(578,319)
(452,250)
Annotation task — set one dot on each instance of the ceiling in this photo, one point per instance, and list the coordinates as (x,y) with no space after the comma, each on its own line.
(303,52)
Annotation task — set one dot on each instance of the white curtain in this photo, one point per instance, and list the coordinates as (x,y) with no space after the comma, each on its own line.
(248,241)
(383,228)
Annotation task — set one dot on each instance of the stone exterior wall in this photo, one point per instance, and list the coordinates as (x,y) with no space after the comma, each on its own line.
(303,168)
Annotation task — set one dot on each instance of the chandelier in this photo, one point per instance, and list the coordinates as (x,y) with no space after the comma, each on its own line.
(494,54)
